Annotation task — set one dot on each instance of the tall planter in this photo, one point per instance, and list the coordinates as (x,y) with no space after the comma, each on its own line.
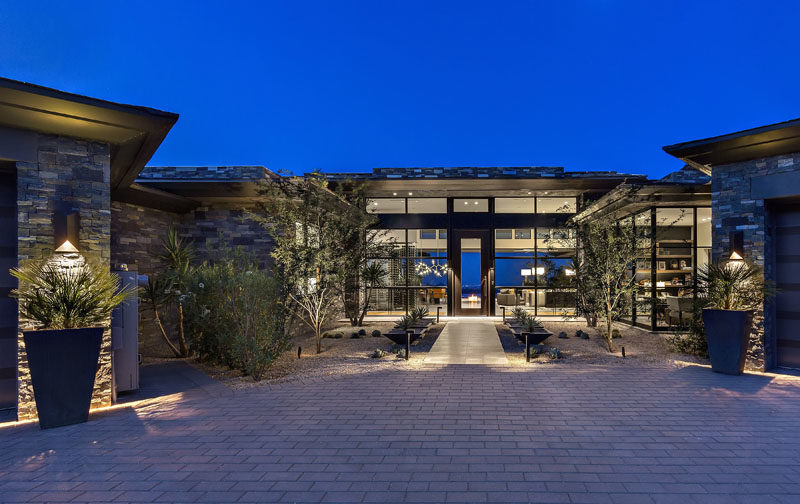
(728,336)
(63,365)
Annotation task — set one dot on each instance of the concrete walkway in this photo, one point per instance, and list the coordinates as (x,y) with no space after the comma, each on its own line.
(467,341)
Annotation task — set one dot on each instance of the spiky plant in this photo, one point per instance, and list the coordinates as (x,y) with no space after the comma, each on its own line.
(405,322)
(530,323)
(419,313)
(178,256)
(733,286)
(54,295)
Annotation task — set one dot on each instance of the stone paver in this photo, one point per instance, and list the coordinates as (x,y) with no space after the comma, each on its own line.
(466,433)
(467,341)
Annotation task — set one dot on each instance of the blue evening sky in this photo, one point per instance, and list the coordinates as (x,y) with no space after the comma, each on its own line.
(347,86)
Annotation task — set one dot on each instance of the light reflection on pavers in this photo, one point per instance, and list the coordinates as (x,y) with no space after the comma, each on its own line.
(461,433)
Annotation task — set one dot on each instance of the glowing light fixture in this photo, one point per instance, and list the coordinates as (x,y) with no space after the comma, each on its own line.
(67,248)
(736,257)
(525,272)
(410,194)
(540,270)
(569,272)
(394,194)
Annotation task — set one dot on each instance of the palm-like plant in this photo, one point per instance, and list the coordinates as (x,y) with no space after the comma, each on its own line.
(732,286)
(178,256)
(59,296)
(374,276)
(157,293)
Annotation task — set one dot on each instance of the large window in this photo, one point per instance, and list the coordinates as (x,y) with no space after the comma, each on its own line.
(470,205)
(556,205)
(513,205)
(533,269)
(386,206)
(415,261)
(427,205)
(675,243)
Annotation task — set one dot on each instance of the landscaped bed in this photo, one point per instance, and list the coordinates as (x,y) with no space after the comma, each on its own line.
(339,357)
(641,347)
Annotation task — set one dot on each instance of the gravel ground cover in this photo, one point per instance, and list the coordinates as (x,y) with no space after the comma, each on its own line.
(641,347)
(339,357)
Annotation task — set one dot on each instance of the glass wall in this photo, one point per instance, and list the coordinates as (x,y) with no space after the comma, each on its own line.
(415,261)
(533,270)
(675,243)
(529,205)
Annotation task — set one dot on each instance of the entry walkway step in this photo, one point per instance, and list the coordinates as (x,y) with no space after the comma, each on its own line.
(467,341)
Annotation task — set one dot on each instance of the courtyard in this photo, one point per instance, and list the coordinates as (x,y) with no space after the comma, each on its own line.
(432,433)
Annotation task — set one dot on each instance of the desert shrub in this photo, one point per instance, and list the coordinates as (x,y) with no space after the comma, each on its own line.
(362,332)
(563,335)
(377,354)
(236,314)
(691,339)
(554,353)
(355,335)
(376,333)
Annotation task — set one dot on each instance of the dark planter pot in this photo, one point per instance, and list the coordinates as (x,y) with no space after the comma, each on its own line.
(63,365)
(536,337)
(728,336)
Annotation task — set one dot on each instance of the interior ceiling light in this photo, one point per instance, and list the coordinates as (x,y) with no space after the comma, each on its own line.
(410,194)
(394,194)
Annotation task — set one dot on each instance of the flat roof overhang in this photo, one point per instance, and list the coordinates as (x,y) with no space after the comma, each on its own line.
(475,187)
(628,199)
(133,133)
(764,141)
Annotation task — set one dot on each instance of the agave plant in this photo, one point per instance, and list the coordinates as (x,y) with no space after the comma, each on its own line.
(733,286)
(59,296)
(406,322)
(530,323)
(419,313)
(519,313)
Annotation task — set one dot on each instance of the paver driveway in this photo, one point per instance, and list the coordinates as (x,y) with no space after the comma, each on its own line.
(462,433)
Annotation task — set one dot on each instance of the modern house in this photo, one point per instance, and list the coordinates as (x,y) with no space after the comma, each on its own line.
(466,241)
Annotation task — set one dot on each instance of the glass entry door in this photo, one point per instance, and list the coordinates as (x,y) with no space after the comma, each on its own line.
(471,265)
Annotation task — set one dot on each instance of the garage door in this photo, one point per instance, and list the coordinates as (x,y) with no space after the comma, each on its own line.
(8,306)
(787,273)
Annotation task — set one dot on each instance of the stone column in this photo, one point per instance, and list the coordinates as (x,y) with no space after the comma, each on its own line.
(70,175)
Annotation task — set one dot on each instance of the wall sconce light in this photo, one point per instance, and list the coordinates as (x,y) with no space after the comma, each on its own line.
(737,246)
(66,231)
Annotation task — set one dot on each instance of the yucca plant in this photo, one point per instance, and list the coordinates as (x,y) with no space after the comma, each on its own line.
(733,286)
(178,256)
(59,296)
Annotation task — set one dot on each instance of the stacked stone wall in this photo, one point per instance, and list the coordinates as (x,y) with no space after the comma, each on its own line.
(735,210)
(70,176)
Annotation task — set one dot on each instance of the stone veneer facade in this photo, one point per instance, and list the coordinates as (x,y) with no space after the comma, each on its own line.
(735,209)
(69,176)
(136,240)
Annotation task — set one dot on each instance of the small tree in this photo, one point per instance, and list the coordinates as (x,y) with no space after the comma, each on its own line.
(318,241)
(605,285)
